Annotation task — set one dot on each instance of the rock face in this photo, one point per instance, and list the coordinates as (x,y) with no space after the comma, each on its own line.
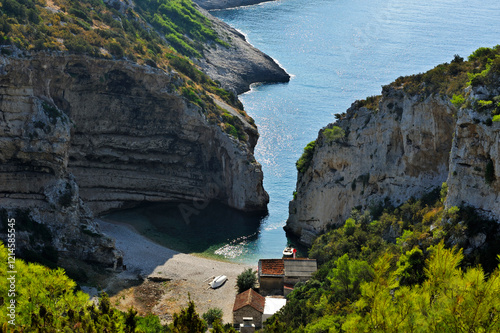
(240,64)
(81,135)
(390,155)
(474,177)
(36,190)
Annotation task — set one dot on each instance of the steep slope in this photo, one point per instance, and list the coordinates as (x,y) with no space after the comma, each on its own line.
(474,177)
(239,65)
(123,132)
(389,148)
(390,155)
(101,108)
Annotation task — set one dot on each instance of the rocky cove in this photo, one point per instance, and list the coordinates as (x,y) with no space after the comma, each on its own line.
(99,115)
(82,136)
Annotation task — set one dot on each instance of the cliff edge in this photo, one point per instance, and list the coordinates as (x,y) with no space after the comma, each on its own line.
(82,136)
(103,108)
(403,144)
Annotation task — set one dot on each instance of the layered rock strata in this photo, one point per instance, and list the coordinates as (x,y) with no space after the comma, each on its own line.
(82,136)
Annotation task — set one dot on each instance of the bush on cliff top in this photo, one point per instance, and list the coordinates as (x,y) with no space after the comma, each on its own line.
(305,160)
(333,134)
(452,78)
(91,27)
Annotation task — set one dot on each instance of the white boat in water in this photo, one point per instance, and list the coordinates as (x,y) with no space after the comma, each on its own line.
(218,281)
(288,252)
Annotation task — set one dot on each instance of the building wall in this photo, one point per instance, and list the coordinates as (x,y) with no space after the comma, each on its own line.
(295,279)
(248,311)
(271,286)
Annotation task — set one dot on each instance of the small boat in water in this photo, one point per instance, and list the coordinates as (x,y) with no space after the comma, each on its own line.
(288,252)
(218,281)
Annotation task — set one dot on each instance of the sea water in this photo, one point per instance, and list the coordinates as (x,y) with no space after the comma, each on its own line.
(337,51)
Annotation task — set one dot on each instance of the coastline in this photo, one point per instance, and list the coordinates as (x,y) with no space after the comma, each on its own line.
(171,274)
(227,4)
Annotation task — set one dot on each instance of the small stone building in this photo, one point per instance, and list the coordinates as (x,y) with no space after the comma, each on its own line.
(279,276)
(249,304)
(271,276)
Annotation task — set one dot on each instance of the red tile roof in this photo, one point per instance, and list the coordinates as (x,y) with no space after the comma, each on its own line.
(252,298)
(271,267)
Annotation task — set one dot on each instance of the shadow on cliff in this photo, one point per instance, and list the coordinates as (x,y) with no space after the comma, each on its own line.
(183,228)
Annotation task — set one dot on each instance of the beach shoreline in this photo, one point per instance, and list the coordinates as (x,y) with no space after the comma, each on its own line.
(168,274)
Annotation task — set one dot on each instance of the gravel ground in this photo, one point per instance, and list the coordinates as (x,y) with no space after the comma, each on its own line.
(182,273)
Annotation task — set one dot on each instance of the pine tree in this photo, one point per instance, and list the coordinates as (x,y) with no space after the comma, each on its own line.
(188,320)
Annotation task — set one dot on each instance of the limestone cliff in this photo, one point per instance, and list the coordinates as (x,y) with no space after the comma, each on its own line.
(410,145)
(474,177)
(81,135)
(400,151)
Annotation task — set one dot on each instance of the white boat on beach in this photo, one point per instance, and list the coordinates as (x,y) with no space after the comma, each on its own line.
(218,281)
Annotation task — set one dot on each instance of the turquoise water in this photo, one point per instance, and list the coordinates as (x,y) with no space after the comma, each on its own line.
(337,52)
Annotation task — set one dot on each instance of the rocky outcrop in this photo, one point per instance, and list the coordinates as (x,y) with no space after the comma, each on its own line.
(409,146)
(234,63)
(224,4)
(238,66)
(36,190)
(400,151)
(474,177)
(82,135)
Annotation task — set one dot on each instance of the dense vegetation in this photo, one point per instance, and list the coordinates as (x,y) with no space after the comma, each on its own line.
(93,28)
(401,269)
(482,68)
(46,300)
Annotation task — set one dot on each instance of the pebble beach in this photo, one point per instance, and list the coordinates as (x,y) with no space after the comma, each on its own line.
(181,273)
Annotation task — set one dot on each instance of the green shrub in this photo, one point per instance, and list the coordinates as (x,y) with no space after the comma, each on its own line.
(333,134)
(246,280)
(370,102)
(485,104)
(116,50)
(482,52)
(305,160)
(496,118)
(188,320)
(212,315)
(457,100)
